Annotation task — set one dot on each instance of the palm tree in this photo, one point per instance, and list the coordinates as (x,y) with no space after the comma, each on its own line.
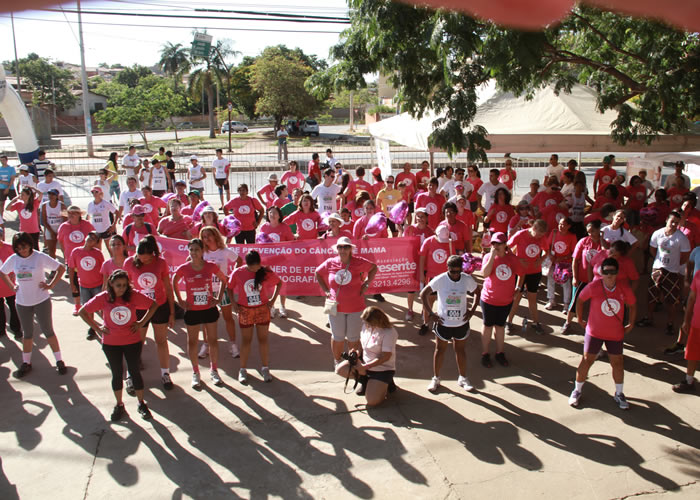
(174,61)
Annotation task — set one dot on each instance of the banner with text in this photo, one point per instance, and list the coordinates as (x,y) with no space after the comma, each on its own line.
(295,262)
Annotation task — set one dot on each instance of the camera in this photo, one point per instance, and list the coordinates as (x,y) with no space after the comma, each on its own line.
(351,357)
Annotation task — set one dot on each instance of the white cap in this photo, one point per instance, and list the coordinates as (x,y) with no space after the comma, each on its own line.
(194,157)
(343,241)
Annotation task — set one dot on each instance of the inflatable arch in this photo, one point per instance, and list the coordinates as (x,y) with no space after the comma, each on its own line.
(18,121)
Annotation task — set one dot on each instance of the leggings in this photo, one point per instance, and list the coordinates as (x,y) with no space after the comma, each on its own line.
(42,312)
(14,318)
(246,237)
(115,356)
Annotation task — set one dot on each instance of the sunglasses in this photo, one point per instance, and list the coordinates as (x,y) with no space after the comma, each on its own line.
(454,270)
(607,272)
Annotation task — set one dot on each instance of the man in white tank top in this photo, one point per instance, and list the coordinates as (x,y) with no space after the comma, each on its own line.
(221,168)
(132,163)
(196,175)
(159,179)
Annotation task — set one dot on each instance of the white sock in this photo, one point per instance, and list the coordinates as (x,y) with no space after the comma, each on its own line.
(27,358)
(618,388)
(58,356)
(579,386)
(163,371)
(689,379)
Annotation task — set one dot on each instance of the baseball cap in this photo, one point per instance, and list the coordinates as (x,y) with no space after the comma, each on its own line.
(209,209)
(194,157)
(24,168)
(138,210)
(498,238)
(180,182)
(272,177)
(92,189)
(376,171)
(194,191)
(53,191)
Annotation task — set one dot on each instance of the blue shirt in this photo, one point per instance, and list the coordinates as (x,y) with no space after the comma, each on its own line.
(6,173)
(695,259)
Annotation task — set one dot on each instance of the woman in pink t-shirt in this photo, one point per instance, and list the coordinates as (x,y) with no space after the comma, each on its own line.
(306,219)
(277,231)
(359,232)
(117,249)
(209,218)
(175,225)
(500,212)
(200,306)
(27,206)
(248,211)
(293,178)
(251,285)
(420,229)
(561,243)
(84,266)
(474,178)
(119,334)
(584,252)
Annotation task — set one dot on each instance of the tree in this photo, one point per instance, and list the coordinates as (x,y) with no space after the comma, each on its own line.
(174,59)
(647,71)
(242,94)
(131,76)
(151,100)
(361,98)
(278,80)
(46,80)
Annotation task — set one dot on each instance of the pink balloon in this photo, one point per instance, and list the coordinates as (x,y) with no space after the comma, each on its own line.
(562,272)
(197,213)
(263,238)
(399,212)
(376,224)
(167,197)
(471,263)
(323,225)
(232,226)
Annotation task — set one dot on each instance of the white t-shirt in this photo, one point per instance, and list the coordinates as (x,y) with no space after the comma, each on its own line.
(612,235)
(221,257)
(374,342)
(567,190)
(130,162)
(196,176)
(577,207)
(220,168)
(555,171)
(146,173)
(450,188)
(26,181)
(487,191)
(325,196)
(669,181)
(669,249)
(527,197)
(159,179)
(331,162)
(452,297)
(126,196)
(44,187)
(29,273)
(99,214)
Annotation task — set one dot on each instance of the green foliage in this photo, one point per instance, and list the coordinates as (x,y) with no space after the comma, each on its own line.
(242,94)
(131,76)
(360,99)
(381,108)
(174,59)
(44,78)
(437,59)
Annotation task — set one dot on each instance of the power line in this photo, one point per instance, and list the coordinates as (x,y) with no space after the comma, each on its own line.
(273,14)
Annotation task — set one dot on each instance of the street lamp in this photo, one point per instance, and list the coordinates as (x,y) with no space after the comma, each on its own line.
(230,107)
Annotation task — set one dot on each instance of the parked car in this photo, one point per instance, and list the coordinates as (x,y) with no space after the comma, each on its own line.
(303,127)
(185,125)
(235,127)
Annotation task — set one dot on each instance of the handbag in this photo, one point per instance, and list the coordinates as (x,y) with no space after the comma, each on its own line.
(330,306)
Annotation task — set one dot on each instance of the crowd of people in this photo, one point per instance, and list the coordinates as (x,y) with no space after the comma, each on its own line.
(593,244)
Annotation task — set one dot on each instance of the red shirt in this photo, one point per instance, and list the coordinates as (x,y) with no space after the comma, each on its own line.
(315,168)
(436,255)
(604,176)
(108,267)
(244,211)
(376,187)
(132,234)
(307,224)
(562,245)
(476,183)
(358,185)
(544,199)
(499,286)
(355,212)
(507,177)
(267,192)
(422,177)
(407,178)
(149,278)
(72,236)
(358,230)
(675,197)
(528,249)
(584,253)
(175,228)
(637,196)
(151,207)
(467,217)
(5,252)
(499,215)
(198,284)
(460,233)
(424,233)
(345,282)
(601,201)
(242,282)
(607,309)
(118,316)
(280,233)
(28,221)
(552,215)
(695,287)
(514,222)
(627,272)
(292,180)
(88,265)
(433,204)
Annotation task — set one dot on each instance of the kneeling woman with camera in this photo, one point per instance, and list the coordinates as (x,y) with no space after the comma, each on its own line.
(375,362)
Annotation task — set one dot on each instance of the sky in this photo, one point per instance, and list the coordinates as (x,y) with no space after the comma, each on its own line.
(129,40)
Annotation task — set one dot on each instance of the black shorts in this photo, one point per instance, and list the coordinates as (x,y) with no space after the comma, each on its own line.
(245,237)
(574,296)
(201,316)
(11,194)
(386,376)
(160,317)
(106,235)
(222,183)
(448,333)
(411,207)
(473,205)
(495,315)
(158,192)
(532,282)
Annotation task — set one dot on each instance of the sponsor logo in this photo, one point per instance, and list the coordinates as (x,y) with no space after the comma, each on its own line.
(439,256)
(120,315)
(503,272)
(431,208)
(501,217)
(147,281)
(308,225)
(88,263)
(26,214)
(610,307)
(76,236)
(532,250)
(343,277)
(244,210)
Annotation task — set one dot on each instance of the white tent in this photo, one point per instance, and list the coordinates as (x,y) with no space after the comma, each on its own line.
(548,122)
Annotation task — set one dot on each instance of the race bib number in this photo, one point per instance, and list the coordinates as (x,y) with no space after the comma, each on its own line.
(453,313)
(201,298)
(252,293)
(97,219)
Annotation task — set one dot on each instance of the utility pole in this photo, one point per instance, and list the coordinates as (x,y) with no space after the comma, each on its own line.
(14,41)
(352,113)
(83,80)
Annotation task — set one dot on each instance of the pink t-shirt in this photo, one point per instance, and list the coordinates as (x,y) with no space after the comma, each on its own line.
(604,176)
(358,185)
(562,245)
(72,236)
(627,270)
(433,205)
(151,208)
(607,309)
(198,284)
(476,183)
(293,180)
(88,264)
(436,255)
(280,233)
(499,286)
(408,178)
(544,199)
(242,282)
(108,267)
(424,233)
(346,285)
(359,230)
(552,215)
(355,212)
(307,224)
(5,253)
(499,215)
(28,221)
(695,287)
(376,187)
(133,236)
(149,278)
(119,316)
(584,253)
(175,228)
(467,216)
(267,192)
(460,233)
(528,249)
(637,196)
(422,177)
(507,177)
(244,211)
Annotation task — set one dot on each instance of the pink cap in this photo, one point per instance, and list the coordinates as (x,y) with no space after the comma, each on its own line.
(138,210)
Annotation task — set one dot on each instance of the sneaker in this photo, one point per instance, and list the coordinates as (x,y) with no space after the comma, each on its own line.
(676,348)
(215,379)
(144,411)
(434,384)
(19,336)
(265,371)
(203,351)
(167,383)
(91,335)
(501,358)
(130,387)
(669,329)
(273,312)
(538,329)
(408,316)
(464,383)
(76,308)
(684,386)
(423,330)
(118,413)
(564,328)
(243,376)
(621,401)
(550,306)
(486,360)
(510,328)
(196,381)
(524,325)
(574,398)
(283,312)
(234,351)
(22,370)
(61,367)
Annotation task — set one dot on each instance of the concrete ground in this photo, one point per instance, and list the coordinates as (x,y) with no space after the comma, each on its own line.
(301,436)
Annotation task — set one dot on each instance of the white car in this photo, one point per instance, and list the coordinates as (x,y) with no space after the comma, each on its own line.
(235,127)
(306,127)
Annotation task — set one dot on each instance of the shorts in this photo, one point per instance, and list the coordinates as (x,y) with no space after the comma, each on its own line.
(256,315)
(88,293)
(11,194)
(47,235)
(346,326)
(160,317)
(666,286)
(107,234)
(495,315)
(222,183)
(201,316)
(592,345)
(692,346)
(574,296)
(158,192)
(225,300)
(246,237)
(386,376)
(532,282)
(448,333)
